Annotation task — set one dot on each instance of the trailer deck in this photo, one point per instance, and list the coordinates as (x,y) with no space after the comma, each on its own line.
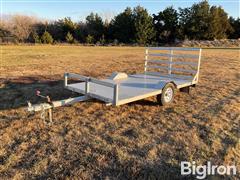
(133,88)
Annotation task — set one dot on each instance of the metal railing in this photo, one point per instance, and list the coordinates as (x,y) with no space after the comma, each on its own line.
(171,59)
(88,80)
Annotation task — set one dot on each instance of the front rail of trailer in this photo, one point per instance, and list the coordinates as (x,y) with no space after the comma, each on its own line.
(92,80)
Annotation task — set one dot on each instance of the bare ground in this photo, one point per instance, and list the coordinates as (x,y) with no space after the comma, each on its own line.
(90,140)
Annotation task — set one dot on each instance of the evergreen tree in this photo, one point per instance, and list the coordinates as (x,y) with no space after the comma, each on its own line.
(95,26)
(185,22)
(81,32)
(202,22)
(144,28)
(34,38)
(69,38)
(60,28)
(102,40)
(235,23)
(219,24)
(89,39)
(68,25)
(166,25)
(122,27)
(47,38)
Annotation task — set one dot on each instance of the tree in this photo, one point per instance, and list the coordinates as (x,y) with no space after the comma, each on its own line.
(69,38)
(122,27)
(194,21)
(81,31)
(144,28)
(89,39)
(166,25)
(184,20)
(201,20)
(59,29)
(19,25)
(235,23)
(204,22)
(95,26)
(102,40)
(68,25)
(7,36)
(39,28)
(56,30)
(219,24)
(47,38)
(34,38)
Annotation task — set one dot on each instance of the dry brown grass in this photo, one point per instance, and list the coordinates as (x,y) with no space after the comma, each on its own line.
(91,140)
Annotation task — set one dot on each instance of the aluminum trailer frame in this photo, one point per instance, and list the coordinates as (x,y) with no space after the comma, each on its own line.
(121,88)
(118,91)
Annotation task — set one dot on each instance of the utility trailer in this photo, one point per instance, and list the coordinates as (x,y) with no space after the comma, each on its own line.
(165,70)
(121,88)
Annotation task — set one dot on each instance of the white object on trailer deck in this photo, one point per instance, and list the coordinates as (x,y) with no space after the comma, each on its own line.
(118,76)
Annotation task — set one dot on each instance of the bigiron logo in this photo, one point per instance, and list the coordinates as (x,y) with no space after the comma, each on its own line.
(201,171)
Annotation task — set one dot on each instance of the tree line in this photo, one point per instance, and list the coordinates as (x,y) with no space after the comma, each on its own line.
(198,22)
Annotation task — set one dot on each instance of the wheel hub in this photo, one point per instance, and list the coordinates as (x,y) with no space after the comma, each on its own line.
(168,94)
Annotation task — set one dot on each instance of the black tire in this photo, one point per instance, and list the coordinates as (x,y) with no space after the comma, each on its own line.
(165,98)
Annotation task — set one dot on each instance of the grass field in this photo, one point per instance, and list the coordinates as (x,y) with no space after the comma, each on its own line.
(91,140)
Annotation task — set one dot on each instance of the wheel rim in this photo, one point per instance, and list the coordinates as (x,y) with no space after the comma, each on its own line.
(168,94)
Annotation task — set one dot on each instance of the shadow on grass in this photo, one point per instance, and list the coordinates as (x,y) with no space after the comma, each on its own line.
(129,170)
(15,92)
(144,102)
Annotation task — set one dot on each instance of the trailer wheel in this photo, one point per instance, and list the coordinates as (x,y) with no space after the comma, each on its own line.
(167,95)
